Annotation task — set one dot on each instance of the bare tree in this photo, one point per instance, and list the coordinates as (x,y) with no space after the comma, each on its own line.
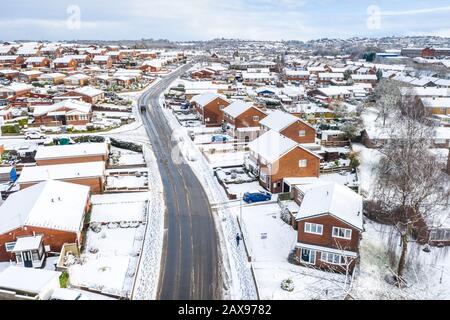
(410,187)
(388,98)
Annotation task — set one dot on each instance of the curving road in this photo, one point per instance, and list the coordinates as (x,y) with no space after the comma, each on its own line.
(190,262)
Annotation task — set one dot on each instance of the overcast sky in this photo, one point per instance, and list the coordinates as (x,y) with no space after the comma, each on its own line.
(208,19)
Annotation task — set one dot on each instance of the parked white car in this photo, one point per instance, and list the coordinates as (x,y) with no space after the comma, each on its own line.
(34,135)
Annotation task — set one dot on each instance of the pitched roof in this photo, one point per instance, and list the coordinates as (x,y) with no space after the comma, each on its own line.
(205,98)
(62,171)
(237,108)
(50,204)
(331,198)
(271,145)
(279,120)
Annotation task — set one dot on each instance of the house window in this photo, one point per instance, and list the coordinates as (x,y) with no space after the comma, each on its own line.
(221,107)
(333,258)
(303,163)
(301,133)
(18,257)
(308,256)
(9,246)
(255,118)
(313,228)
(35,255)
(342,233)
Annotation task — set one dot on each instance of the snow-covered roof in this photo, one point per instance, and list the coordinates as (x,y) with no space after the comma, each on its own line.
(72,105)
(331,198)
(35,60)
(279,120)
(364,77)
(425,92)
(333,91)
(50,204)
(331,75)
(436,102)
(72,150)
(89,91)
(64,60)
(205,98)
(101,58)
(271,145)
(27,243)
(27,279)
(62,171)
(237,108)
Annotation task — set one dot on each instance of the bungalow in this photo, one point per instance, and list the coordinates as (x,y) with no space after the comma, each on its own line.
(275,157)
(7,50)
(103,61)
(209,107)
(74,153)
(243,115)
(27,51)
(37,62)
(202,74)
(296,75)
(154,65)
(10,74)
(329,223)
(327,77)
(331,93)
(289,126)
(87,94)
(11,61)
(78,80)
(364,78)
(52,209)
(53,78)
(29,76)
(91,174)
(81,59)
(66,112)
(66,63)
(251,78)
(15,90)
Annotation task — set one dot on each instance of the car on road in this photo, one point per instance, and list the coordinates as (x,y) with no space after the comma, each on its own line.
(143,108)
(219,138)
(257,196)
(34,135)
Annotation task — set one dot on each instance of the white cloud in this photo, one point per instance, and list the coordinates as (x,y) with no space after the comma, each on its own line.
(416,11)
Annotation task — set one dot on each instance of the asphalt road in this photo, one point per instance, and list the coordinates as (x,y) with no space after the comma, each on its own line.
(190,262)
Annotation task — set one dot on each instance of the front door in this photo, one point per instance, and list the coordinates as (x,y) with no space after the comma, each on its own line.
(27,262)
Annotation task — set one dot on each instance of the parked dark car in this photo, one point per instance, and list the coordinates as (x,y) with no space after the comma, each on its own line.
(260,196)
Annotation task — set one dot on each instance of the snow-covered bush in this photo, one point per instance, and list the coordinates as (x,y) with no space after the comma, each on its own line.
(287,285)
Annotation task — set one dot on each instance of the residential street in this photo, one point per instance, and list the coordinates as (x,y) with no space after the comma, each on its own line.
(190,262)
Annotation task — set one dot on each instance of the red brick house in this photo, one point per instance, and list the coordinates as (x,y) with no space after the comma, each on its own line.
(66,112)
(242,119)
(202,74)
(209,107)
(289,126)
(11,61)
(89,95)
(274,157)
(329,223)
(74,153)
(103,61)
(297,75)
(66,63)
(53,209)
(37,62)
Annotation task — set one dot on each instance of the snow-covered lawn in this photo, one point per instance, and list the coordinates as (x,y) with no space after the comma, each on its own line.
(226,159)
(269,258)
(126,181)
(121,157)
(111,254)
(369,159)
